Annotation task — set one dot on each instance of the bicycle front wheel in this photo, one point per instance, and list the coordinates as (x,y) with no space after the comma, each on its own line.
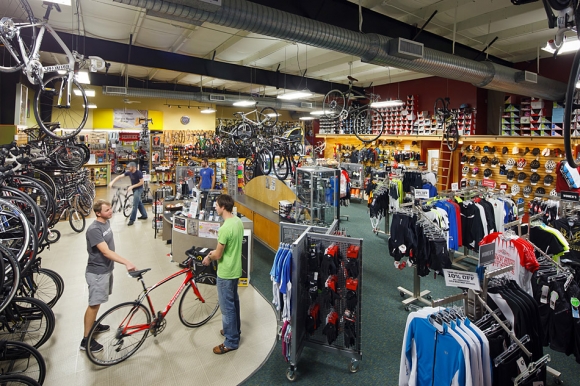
(368,124)
(129,325)
(244,131)
(76,220)
(29,320)
(269,117)
(197,308)
(21,360)
(280,165)
(10,56)
(44,285)
(128,206)
(249,167)
(16,379)
(264,159)
(56,117)
(333,104)
(451,136)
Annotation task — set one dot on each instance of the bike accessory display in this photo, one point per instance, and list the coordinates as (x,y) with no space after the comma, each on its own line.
(510,175)
(484,160)
(540,190)
(487,173)
(472,160)
(504,150)
(521,164)
(474,171)
(548,180)
(510,163)
(515,189)
(546,152)
(465,170)
(464,159)
(527,191)
(516,150)
(521,177)
(502,170)
(535,177)
(550,166)
(494,162)
(535,151)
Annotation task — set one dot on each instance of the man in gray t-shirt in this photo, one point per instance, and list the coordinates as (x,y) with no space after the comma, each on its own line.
(99,272)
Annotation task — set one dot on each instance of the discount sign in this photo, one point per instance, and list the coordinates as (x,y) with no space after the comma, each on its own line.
(454,278)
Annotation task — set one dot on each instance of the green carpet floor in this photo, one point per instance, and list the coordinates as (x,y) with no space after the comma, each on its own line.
(383,319)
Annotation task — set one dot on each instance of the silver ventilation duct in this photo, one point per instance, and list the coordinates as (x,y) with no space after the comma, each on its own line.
(371,48)
(224,100)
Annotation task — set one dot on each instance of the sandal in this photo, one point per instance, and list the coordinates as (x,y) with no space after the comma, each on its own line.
(221,349)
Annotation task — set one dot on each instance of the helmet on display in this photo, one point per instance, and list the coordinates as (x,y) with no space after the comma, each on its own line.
(510,163)
(550,166)
(535,165)
(502,170)
(504,150)
(487,173)
(486,149)
(494,162)
(540,190)
(474,171)
(472,182)
(522,176)
(465,170)
(535,151)
(521,164)
(553,193)
(516,150)
(472,160)
(510,175)
(477,149)
(463,159)
(527,150)
(534,178)
(548,180)
(492,149)
(546,153)
(484,160)
(515,189)
(527,190)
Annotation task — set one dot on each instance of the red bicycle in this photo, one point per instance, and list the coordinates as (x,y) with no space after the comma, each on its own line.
(131,322)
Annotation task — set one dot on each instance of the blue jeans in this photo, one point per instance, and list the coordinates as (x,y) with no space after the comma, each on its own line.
(230,306)
(137,204)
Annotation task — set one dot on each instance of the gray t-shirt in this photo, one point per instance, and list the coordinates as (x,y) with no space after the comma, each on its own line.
(98,232)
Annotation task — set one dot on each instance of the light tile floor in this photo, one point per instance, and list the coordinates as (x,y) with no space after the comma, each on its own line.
(177,356)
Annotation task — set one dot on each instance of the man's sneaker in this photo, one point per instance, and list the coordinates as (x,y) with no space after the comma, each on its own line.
(95,346)
(130,223)
(142,218)
(101,328)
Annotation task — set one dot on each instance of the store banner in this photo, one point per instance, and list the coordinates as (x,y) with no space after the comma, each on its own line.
(128,137)
(129,119)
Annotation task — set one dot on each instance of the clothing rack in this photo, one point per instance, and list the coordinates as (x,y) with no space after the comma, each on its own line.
(449,299)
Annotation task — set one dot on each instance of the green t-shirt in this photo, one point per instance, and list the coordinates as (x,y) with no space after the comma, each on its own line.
(231,234)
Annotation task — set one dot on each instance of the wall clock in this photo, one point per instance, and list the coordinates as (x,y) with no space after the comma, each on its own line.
(184,120)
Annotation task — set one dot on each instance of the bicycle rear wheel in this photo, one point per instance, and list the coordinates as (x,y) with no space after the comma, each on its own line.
(197,309)
(29,320)
(20,12)
(19,359)
(280,165)
(54,116)
(368,124)
(264,160)
(76,220)
(129,326)
(43,284)
(333,103)
(244,131)
(128,206)
(17,379)
(269,117)
(451,135)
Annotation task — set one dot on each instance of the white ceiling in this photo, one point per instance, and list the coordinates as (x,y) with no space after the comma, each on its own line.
(521,30)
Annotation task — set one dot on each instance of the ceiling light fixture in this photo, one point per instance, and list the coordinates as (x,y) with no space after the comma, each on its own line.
(273,115)
(391,103)
(83,77)
(61,72)
(318,112)
(569,45)
(244,103)
(307,118)
(91,106)
(208,110)
(296,95)
(88,92)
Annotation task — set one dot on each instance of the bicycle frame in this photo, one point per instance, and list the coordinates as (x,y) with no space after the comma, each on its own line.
(129,330)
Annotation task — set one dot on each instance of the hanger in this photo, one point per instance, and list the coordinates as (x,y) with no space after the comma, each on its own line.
(511,349)
(532,370)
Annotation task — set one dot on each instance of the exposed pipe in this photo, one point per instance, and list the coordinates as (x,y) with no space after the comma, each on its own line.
(371,48)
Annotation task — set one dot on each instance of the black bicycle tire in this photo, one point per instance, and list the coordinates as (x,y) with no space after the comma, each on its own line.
(57,277)
(559,5)
(128,204)
(40,121)
(23,224)
(114,330)
(264,160)
(12,273)
(451,136)
(11,193)
(249,166)
(15,350)
(200,282)
(333,108)
(17,379)
(246,133)
(569,108)
(53,240)
(73,164)
(364,121)
(272,114)
(279,162)
(21,315)
(29,15)
(73,212)
(32,285)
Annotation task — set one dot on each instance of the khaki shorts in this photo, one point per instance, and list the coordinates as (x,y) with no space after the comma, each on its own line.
(100,287)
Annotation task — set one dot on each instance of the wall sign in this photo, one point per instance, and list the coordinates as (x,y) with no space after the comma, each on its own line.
(128,137)
(421,193)
(570,196)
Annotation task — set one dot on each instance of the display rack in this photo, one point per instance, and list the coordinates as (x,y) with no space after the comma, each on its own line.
(317,190)
(232,176)
(356,174)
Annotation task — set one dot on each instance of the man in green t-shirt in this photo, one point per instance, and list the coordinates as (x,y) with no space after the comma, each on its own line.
(228,253)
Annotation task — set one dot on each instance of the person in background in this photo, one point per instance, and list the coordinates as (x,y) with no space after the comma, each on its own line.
(206,182)
(137,188)
(99,271)
(228,254)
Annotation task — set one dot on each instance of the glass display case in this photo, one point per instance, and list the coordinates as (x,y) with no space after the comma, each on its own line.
(317,192)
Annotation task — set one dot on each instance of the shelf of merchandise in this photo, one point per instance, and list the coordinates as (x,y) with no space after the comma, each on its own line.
(100,173)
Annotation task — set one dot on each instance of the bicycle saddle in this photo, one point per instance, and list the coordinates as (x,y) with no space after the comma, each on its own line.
(352,79)
(139,272)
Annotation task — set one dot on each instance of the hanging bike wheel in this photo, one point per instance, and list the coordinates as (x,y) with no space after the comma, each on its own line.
(280,165)
(244,131)
(368,124)
(264,159)
(269,117)
(56,117)
(333,103)
(20,12)
(249,166)
(451,135)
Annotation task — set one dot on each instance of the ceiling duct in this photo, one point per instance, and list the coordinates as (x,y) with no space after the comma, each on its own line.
(218,99)
(526,76)
(371,48)
(406,49)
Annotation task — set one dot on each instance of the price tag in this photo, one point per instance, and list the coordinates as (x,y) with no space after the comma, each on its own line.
(521,364)
(544,297)
(575,304)
(521,209)
(454,186)
(421,193)
(421,163)
(454,278)
(388,169)
(553,298)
